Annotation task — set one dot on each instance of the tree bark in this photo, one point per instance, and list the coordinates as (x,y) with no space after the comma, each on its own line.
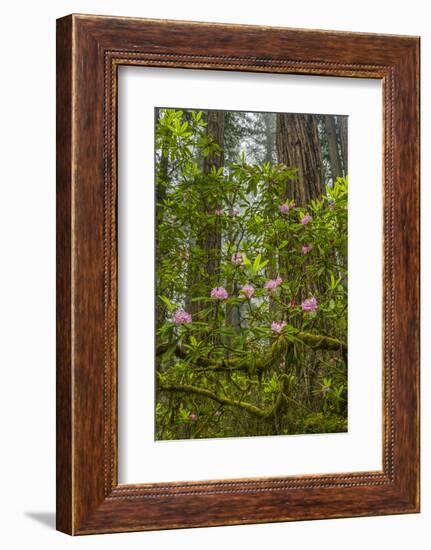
(161,187)
(268,119)
(212,238)
(334,149)
(298,145)
(208,237)
(342,132)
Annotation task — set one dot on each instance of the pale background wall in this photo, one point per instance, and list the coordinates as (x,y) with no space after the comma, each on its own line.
(27,217)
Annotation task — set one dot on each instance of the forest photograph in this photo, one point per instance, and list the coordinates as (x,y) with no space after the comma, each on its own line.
(251,273)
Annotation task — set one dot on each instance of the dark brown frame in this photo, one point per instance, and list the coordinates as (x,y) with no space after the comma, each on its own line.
(89,51)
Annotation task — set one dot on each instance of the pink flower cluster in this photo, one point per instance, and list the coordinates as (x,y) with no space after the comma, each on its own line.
(238,258)
(309,305)
(272,284)
(181,317)
(278,327)
(218,212)
(248,290)
(307,248)
(306,219)
(219,293)
(284,208)
(192,417)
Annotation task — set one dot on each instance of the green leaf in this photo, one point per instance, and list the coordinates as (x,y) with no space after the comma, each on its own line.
(227,331)
(168,303)
(256,263)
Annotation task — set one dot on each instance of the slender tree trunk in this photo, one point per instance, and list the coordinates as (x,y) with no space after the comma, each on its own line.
(269,136)
(342,133)
(161,176)
(161,186)
(212,238)
(270,139)
(334,149)
(208,237)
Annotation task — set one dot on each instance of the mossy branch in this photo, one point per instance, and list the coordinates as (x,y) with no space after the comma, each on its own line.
(313,341)
(266,414)
(318,341)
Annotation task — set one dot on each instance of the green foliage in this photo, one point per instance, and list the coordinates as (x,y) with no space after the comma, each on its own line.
(229,348)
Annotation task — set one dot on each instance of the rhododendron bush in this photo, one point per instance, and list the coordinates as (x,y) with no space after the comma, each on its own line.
(251,281)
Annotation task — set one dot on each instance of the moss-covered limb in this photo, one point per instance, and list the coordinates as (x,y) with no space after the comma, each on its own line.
(314,341)
(205,362)
(196,390)
(267,414)
(318,341)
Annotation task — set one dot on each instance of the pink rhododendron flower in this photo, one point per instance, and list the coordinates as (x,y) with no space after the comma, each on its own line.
(181,317)
(309,305)
(192,417)
(306,219)
(284,208)
(248,290)
(278,327)
(238,258)
(293,204)
(218,212)
(307,248)
(272,284)
(219,293)
(293,303)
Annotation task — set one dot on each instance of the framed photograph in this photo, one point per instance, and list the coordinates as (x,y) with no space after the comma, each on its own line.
(237,274)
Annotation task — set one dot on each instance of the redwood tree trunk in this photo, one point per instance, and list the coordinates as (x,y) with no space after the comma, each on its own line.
(298,145)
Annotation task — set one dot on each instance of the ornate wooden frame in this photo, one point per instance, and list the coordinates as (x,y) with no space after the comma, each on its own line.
(89,51)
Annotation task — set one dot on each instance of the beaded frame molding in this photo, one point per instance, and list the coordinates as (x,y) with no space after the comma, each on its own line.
(89,51)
